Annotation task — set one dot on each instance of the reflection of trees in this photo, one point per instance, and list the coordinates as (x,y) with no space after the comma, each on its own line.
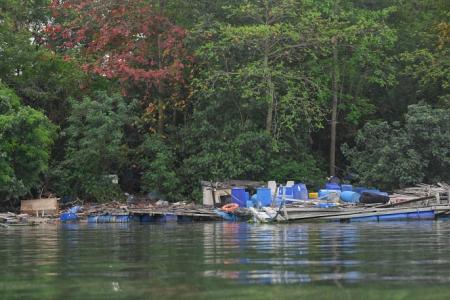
(28,255)
(51,262)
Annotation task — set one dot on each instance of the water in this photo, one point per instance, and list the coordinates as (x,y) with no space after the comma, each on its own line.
(391,260)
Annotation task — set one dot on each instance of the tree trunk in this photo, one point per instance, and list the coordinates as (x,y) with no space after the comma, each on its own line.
(160,115)
(161,91)
(270,91)
(334,108)
(269,117)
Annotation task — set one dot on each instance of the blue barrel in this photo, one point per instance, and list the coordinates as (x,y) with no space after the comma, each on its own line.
(350,197)
(122,219)
(287,190)
(288,193)
(332,186)
(92,219)
(347,187)
(264,196)
(300,191)
(169,217)
(65,217)
(146,218)
(104,219)
(253,202)
(239,196)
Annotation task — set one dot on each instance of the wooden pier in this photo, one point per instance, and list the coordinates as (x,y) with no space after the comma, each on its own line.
(149,215)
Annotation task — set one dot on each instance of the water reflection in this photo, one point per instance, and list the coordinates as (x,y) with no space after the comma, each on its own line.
(303,253)
(129,259)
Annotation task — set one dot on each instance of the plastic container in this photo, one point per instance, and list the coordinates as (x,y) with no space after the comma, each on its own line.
(122,219)
(65,217)
(324,192)
(169,217)
(300,191)
(239,196)
(146,218)
(350,197)
(346,188)
(92,219)
(313,195)
(104,219)
(332,186)
(253,202)
(264,196)
(74,209)
(287,191)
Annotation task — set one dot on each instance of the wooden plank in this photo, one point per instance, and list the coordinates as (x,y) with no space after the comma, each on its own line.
(39,206)
(353,214)
(406,202)
(383,213)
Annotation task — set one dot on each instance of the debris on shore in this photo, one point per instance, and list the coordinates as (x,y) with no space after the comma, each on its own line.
(144,211)
(286,204)
(12,219)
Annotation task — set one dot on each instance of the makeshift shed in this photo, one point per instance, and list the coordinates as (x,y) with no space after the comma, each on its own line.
(219,193)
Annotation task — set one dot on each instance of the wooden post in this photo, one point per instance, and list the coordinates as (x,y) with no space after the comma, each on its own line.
(283,199)
(438,198)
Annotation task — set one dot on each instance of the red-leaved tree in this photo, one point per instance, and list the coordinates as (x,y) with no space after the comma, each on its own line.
(126,40)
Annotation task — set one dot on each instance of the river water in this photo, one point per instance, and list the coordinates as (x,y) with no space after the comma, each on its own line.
(390,260)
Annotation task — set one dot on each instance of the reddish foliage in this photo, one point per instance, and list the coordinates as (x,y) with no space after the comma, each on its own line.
(125,39)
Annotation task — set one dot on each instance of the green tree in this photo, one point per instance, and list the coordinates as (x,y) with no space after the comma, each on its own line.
(397,155)
(420,57)
(20,24)
(95,148)
(254,56)
(159,168)
(26,138)
(359,40)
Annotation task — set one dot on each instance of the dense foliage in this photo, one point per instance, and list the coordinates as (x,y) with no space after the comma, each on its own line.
(163,94)
(26,136)
(402,154)
(94,147)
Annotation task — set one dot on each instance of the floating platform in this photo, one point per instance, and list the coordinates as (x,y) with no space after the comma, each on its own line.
(152,216)
(359,214)
(347,214)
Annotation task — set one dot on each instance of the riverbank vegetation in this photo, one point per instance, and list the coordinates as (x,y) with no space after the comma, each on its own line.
(163,94)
